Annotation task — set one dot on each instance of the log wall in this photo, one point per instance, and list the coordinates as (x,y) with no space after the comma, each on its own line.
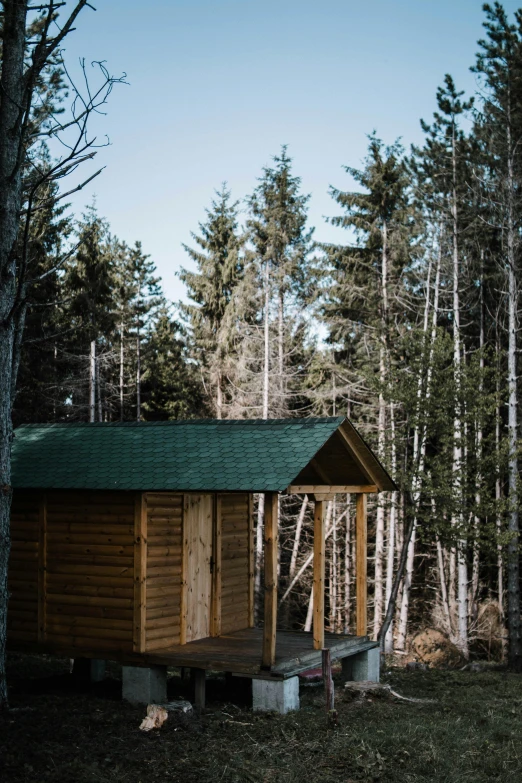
(94,571)
(163,577)
(89,570)
(23,577)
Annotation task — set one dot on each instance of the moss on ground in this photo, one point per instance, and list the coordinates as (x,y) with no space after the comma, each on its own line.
(468,729)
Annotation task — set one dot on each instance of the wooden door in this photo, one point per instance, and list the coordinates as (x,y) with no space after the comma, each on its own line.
(197,555)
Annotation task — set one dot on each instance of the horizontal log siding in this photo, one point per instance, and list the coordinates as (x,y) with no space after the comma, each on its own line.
(89,577)
(22,617)
(235,540)
(163,584)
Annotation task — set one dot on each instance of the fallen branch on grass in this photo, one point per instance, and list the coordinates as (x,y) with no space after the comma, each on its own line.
(376,688)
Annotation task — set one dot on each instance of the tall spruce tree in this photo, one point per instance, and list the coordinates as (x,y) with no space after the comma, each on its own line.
(171,387)
(499,126)
(362,297)
(90,285)
(282,243)
(211,288)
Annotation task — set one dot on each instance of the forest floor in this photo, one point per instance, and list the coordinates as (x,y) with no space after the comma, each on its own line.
(468,728)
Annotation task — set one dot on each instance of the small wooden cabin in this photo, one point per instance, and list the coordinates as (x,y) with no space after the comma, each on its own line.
(134,542)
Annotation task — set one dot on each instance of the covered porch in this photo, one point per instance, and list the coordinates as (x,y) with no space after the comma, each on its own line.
(240,653)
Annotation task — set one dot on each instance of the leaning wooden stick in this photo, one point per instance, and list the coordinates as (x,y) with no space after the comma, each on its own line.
(329,686)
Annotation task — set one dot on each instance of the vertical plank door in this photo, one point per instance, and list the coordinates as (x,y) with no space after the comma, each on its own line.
(197,554)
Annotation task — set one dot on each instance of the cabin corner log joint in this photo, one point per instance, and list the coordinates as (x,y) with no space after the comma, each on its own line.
(135,541)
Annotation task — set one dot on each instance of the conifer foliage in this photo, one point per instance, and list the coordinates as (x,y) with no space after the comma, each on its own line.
(410,326)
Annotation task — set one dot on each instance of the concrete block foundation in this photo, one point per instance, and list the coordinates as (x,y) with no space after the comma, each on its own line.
(144,685)
(275,695)
(363,666)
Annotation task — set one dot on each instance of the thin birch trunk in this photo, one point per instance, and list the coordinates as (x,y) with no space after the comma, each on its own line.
(443,589)
(219,396)
(281,351)
(347,565)
(388,641)
(138,375)
(122,359)
(498,499)
(297,539)
(457,521)
(513,555)
(475,574)
(98,390)
(261,502)
(419,449)
(309,612)
(381,437)
(333,570)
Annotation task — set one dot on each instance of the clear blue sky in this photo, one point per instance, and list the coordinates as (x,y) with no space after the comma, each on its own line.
(216,86)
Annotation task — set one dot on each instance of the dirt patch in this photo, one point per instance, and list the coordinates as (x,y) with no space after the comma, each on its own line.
(434,648)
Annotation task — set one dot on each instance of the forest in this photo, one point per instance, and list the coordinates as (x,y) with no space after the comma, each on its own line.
(410,328)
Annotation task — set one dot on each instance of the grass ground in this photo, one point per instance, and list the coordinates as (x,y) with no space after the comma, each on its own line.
(470,730)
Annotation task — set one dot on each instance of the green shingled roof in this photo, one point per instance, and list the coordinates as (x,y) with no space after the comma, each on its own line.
(196,455)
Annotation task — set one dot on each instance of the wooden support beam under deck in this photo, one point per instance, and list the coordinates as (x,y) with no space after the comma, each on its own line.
(361,564)
(271,540)
(319,570)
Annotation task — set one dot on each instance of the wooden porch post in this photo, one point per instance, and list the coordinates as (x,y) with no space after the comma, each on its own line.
(271,539)
(318,588)
(361,564)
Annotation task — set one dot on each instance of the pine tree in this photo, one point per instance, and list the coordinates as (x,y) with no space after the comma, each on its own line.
(147,297)
(170,385)
(281,243)
(499,126)
(363,283)
(90,285)
(212,287)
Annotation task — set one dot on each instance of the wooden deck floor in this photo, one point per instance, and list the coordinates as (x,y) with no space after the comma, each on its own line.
(240,652)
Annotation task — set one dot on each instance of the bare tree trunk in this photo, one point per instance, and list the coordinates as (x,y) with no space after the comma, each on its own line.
(309,612)
(138,375)
(122,357)
(475,574)
(443,590)
(381,437)
(297,539)
(98,391)
(457,520)
(281,351)
(388,642)
(92,382)
(347,568)
(379,528)
(419,452)
(513,553)
(20,73)
(261,502)
(259,556)
(219,396)
(266,325)
(498,499)
(333,570)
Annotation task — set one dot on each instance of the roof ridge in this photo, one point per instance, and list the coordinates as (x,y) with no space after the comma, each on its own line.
(184,422)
